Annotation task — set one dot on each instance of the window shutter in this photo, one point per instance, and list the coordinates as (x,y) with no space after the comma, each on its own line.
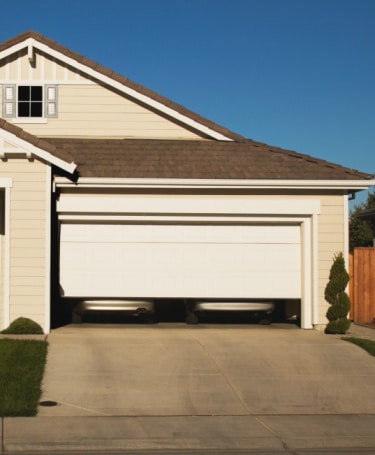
(9,101)
(50,104)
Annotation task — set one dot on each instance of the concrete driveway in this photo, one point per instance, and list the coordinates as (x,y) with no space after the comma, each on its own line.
(199,389)
(223,370)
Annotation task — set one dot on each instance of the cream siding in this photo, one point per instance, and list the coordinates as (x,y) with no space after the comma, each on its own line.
(27,239)
(331,241)
(86,109)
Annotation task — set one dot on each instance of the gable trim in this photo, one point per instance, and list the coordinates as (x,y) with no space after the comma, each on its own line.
(31,43)
(24,147)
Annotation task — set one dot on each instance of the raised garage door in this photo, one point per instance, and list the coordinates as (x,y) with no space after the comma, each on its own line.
(180,260)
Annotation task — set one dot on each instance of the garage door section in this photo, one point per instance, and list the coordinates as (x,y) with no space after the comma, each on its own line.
(180,260)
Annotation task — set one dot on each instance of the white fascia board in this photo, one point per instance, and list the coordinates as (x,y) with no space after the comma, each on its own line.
(25,147)
(349,185)
(129,91)
(29,42)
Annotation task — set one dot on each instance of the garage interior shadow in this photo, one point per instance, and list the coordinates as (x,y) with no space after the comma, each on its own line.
(172,311)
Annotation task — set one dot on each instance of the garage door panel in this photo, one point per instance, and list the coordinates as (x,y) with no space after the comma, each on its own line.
(180,261)
(164,233)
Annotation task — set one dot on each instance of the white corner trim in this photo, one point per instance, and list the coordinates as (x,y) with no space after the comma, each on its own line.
(315,270)
(117,85)
(47,278)
(346,230)
(7,258)
(26,148)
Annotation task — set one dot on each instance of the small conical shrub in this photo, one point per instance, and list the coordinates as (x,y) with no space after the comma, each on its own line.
(336,296)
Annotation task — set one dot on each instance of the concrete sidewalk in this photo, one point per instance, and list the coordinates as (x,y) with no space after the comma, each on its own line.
(206,387)
(194,433)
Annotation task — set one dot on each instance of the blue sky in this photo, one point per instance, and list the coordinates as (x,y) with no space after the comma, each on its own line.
(298,74)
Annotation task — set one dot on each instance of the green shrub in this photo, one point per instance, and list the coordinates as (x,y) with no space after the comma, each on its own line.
(23,326)
(337,297)
(21,372)
(340,309)
(338,326)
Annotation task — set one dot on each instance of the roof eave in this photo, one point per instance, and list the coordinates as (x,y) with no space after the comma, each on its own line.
(24,147)
(89,182)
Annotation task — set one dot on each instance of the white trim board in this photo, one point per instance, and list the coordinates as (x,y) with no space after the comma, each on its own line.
(90,182)
(206,206)
(6,183)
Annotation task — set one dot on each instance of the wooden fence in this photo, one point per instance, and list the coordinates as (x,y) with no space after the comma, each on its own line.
(362,285)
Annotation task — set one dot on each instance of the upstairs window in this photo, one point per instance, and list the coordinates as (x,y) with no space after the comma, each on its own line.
(30,101)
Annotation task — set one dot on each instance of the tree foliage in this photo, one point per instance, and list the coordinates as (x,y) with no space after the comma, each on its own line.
(361,230)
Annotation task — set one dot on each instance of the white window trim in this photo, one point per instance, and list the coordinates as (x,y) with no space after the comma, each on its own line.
(47,101)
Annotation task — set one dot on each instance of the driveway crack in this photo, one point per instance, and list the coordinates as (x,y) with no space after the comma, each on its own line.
(220,370)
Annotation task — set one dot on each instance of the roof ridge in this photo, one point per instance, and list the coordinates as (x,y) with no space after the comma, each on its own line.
(153,95)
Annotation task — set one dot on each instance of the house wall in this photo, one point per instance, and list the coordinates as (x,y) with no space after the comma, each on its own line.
(28,241)
(86,109)
(331,241)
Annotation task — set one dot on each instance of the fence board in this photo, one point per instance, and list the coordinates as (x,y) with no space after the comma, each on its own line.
(362,285)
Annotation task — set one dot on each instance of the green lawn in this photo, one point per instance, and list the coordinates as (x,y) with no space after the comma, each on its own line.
(22,365)
(368,345)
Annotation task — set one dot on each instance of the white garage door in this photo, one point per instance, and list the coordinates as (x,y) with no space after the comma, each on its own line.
(171,260)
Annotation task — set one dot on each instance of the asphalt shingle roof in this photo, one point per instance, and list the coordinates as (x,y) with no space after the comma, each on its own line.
(182,159)
(138,158)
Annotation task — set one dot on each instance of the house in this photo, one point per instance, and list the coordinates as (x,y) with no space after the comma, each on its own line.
(108,189)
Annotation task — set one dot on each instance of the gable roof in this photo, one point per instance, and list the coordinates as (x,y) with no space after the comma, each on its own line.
(163,106)
(184,159)
(177,159)
(229,156)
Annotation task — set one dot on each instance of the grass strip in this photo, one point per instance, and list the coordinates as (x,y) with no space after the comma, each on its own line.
(22,365)
(368,345)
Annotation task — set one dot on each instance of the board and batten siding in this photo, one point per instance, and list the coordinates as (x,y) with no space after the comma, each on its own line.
(85,108)
(28,240)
